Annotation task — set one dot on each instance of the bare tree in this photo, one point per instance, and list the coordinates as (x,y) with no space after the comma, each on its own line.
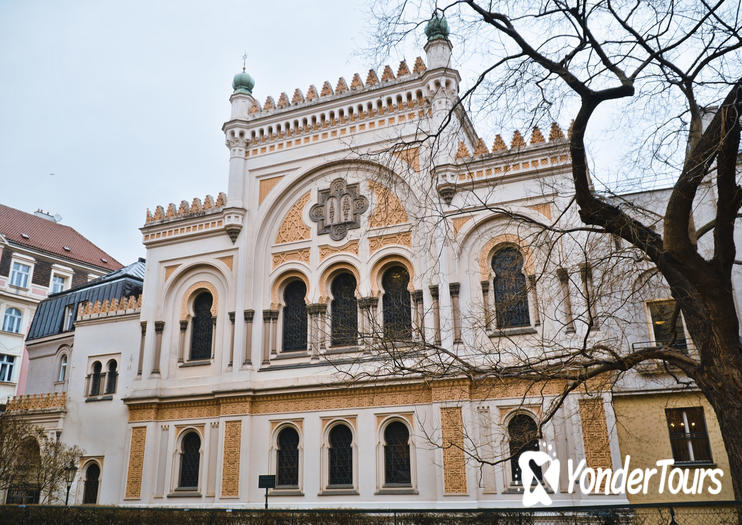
(676,68)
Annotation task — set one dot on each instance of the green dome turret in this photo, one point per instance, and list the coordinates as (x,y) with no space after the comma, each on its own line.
(437,28)
(243,83)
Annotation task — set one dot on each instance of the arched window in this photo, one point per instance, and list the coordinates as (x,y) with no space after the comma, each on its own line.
(344,310)
(511,292)
(90,493)
(12,320)
(397,454)
(287,460)
(202,327)
(62,369)
(294,317)
(190,457)
(111,377)
(341,456)
(95,379)
(396,303)
(522,434)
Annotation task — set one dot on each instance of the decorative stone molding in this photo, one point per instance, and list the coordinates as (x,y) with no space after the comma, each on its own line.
(136,463)
(454,460)
(115,307)
(326,250)
(231,461)
(388,210)
(401,239)
(293,227)
(290,255)
(184,210)
(338,209)
(32,402)
(595,434)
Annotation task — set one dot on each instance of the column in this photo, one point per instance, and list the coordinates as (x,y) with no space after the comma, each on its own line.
(454,288)
(487,305)
(248,315)
(181,340)
(417,300)
(564,284)
(274,332)
(231,338)
(266,336)
(534,295)
(436,314)
(141,348)
(159,327)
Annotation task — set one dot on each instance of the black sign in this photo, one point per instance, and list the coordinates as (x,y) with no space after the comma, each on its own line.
(267,482)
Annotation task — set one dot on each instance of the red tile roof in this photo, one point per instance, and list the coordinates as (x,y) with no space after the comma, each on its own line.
(52,237)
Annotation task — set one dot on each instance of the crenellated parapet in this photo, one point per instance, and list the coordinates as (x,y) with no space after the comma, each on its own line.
(194,209)
(112,308)
(51,401)
(199,217)
(482,165)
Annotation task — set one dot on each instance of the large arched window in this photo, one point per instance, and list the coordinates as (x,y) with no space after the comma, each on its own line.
(190,457)
(294,317)
(12,320)
(90,492)
(111,377)
(202,327)
(95,379)
(523,436)
(341,456)
(344,310)
(287,460)
(396,303)
(397,454)
(511,291)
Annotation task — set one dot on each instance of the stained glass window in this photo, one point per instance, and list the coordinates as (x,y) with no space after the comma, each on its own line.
(341,456)
(522,434)
(189,461)
(396,303)
(397,454)
(511,292)
(90,493)
(294,317)
(202,327)
(344,314)
(288,458)
(95,379)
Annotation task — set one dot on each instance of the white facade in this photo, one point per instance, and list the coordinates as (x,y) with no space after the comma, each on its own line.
(443,226)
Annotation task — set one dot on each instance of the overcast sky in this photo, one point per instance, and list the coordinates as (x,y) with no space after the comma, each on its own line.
(123,102)
(109,108)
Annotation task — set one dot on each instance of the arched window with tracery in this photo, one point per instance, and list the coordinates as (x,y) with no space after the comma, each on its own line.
(90,492)
(190,458)
(294,316)
(522,436)
(511,290)
(202,327)
(111,377)
(397,455)
(341,456)
(95,379)
(344,314)
(287,458)
(396,303)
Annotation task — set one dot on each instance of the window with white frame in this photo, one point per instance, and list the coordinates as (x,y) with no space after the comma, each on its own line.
(689,438)
(62,369)
(69,318)
(12,320)
(6,368)
(19,275)
(59,283)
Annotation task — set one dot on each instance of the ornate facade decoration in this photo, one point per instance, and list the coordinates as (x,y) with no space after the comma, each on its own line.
(293,227)
(338,209)
(388,211)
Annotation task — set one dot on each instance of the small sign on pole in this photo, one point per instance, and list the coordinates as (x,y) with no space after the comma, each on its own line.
(266,481)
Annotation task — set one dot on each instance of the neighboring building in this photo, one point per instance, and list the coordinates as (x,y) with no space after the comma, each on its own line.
(321,250)
(38,257)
